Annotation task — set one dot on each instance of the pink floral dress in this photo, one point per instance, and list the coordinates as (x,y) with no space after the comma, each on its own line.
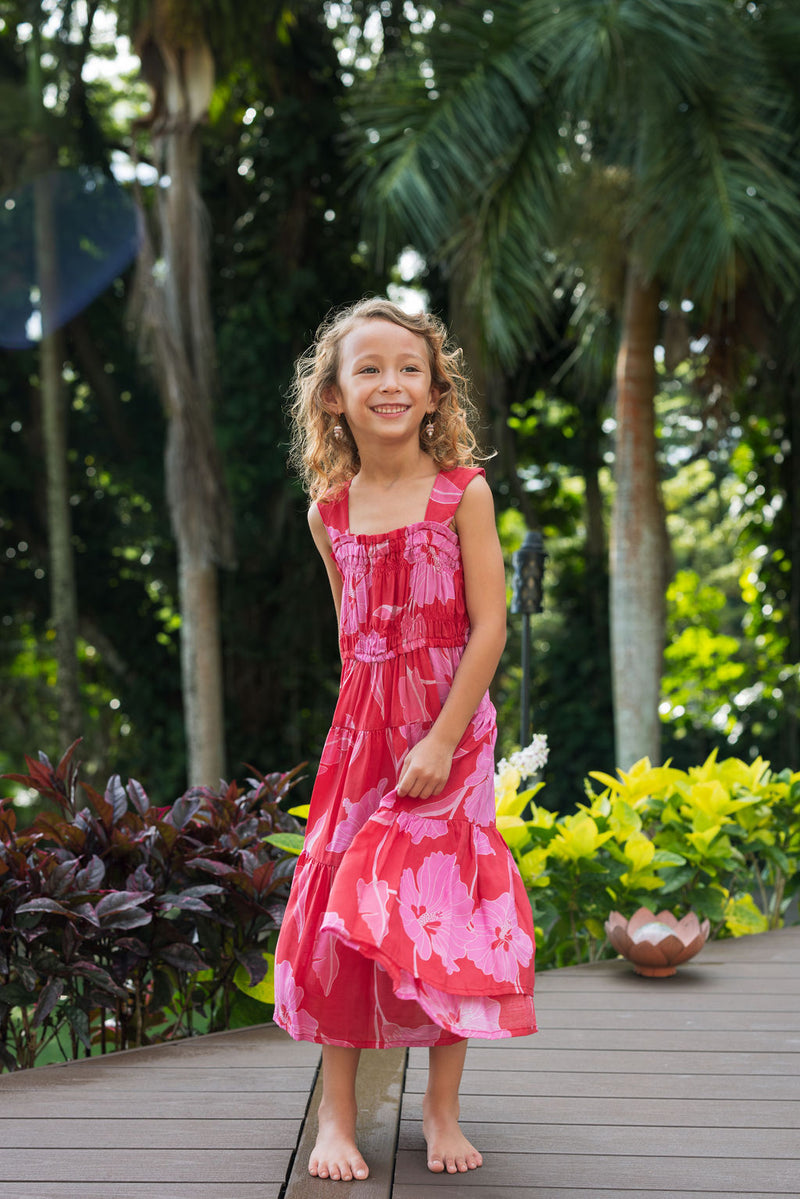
(408,922)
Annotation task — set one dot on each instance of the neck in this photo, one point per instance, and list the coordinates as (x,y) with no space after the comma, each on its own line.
(388,466)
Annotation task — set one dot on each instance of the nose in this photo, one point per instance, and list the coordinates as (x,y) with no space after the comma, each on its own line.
(389,382)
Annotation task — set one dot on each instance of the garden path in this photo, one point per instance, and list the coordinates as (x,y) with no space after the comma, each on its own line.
(634,1087)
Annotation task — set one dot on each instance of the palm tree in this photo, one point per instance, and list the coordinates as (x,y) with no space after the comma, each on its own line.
(524,118)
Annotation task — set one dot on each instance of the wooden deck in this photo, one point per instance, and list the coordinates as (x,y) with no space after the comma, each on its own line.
(634,1087)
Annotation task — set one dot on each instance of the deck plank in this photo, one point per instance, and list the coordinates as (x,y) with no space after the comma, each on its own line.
(213,1118)
(379,1091)
(634,1087)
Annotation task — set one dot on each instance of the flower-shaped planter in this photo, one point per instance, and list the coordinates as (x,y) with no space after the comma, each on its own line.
(656,945)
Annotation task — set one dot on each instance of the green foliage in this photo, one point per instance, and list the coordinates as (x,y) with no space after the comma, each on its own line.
(714,839)
(203,882)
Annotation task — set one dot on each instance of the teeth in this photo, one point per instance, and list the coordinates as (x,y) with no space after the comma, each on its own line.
(390,409)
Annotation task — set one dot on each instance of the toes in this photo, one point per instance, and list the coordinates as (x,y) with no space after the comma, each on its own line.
(436,1165)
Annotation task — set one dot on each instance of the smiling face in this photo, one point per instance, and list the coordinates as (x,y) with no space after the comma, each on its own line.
(384,381)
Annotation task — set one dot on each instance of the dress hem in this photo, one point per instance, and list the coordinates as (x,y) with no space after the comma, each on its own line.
(448,1038)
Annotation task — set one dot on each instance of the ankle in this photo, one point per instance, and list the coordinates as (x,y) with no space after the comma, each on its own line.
(440,1107)
(337,1114)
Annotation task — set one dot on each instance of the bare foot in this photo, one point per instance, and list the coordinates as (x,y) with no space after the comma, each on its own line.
(336,1154)
(448,1148)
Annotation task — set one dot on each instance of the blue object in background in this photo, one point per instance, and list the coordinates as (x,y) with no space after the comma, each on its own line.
(97,233)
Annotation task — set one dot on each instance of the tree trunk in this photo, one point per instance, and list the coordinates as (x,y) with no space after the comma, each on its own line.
(176,318)
(63,592)
(638,536)
(201,660)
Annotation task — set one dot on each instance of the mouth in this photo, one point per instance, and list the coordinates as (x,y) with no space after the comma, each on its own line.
(391,409)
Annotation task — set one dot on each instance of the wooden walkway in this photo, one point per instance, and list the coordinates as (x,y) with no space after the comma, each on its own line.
(684,1087)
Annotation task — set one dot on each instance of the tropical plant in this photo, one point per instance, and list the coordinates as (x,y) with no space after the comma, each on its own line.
(645,147)
(124,923)
(721,839)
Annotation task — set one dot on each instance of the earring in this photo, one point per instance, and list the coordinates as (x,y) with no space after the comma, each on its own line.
(429,430)
(338,432)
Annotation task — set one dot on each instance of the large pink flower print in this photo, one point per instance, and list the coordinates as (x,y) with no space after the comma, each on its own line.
(499,945)
(357,813)
(436,907)
(373,906)
(289,1013)
(420,827)
(355,600)
(429,579)
(463,1014)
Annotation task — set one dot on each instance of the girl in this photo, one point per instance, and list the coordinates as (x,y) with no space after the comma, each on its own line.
(408,923)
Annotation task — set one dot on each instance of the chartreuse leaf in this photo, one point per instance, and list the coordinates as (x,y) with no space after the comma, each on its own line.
(264,991)
(532,867)
(742,917)
(290,842)
(514,831)
(301,811)
(578,837)
(639,850)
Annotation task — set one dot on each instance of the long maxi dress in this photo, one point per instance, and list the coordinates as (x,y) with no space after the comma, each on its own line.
(408,922)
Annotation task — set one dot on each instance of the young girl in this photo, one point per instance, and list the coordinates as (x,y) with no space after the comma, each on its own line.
(408,923)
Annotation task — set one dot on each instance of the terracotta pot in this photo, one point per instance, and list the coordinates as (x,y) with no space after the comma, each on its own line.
(656,944)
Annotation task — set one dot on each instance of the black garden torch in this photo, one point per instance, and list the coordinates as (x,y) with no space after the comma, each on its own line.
(526,599)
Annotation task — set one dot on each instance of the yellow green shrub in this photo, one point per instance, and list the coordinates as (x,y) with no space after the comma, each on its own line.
(722,839)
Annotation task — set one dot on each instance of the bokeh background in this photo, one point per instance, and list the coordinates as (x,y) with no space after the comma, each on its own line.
(602,201)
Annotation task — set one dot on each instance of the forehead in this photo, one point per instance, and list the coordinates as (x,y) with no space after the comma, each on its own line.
(380,337)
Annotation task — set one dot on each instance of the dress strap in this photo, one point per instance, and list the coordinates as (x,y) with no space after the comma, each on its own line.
(335,512)
(447,491)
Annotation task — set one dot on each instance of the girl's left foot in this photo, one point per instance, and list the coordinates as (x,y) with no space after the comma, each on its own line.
(448,1148)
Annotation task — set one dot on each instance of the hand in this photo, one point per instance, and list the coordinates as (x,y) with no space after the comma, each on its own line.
(425,769)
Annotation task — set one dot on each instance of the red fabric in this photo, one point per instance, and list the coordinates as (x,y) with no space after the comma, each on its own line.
(408,922)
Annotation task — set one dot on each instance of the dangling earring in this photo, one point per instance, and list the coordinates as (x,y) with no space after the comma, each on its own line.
(338,432)
(429,429)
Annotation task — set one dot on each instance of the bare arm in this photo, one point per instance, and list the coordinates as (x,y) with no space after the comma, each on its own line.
(426,767)
(323,544)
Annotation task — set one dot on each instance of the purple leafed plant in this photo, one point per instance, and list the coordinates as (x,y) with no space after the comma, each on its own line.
(123,924)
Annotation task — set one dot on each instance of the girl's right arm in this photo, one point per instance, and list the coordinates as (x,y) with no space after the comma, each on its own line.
(323,544)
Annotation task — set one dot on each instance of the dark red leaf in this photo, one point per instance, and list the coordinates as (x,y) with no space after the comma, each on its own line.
(141,880)
(211,866)
(43,904)
(186,903)
(138,797)
(61,769)
(120,901)
(79,1023)
(183,957)
(255,964)
(133,945)
(183,810)
(133,918)
(100,977)
(48,998)
(117,797)
(92,875)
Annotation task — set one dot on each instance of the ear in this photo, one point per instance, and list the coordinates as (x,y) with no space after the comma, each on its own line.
(433,399)
(330,401)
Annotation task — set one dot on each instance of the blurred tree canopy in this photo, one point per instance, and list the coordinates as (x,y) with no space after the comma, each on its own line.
(284,190)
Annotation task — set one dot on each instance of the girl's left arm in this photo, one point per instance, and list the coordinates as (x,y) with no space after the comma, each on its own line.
(426,767)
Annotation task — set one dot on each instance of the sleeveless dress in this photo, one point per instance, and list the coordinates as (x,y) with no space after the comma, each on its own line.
(408,922)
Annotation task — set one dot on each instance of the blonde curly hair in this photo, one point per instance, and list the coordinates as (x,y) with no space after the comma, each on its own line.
(326,463)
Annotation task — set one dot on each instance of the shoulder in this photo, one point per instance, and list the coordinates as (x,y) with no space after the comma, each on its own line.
(319,530)
(477,502)
(315,521)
